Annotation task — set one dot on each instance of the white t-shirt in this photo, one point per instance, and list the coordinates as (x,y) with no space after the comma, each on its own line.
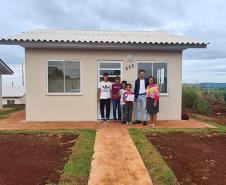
(142,87)
(122,102)
(105,88)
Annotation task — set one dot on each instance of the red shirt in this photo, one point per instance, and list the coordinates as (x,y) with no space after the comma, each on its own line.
(116,91)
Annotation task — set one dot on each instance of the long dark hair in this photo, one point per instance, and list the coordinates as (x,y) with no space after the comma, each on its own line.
(154,82)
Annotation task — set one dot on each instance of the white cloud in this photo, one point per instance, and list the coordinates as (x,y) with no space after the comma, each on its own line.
(203,19)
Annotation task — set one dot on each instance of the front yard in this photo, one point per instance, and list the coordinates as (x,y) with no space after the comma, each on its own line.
(183,156)
(46,157)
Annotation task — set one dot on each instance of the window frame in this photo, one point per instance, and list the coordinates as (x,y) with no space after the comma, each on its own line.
(109,61)
(152,62)
(64,93)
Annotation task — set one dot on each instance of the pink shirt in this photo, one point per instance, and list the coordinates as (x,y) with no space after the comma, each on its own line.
(153,91)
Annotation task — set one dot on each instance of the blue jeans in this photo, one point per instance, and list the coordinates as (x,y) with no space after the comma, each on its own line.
(116,106)
(141,107)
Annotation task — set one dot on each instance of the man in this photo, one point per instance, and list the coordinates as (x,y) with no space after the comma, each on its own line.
(104,97)
(140,95)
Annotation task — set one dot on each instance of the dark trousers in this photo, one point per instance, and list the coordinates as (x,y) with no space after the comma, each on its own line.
(123,112)
(128,112)
(105,103)
(116,106)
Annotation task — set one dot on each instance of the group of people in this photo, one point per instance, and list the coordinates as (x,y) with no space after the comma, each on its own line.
(146,96)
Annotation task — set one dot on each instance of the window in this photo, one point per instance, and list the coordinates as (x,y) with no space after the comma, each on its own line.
(113,68)
(64,77)
(8,102)
(156,69)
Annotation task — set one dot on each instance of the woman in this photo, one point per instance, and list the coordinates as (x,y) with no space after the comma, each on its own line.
(152,101)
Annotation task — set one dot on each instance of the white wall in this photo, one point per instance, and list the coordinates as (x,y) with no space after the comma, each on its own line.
(20,100)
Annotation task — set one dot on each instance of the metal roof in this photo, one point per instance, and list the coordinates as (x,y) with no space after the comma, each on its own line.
(13,91)
(4,69)
(104,37)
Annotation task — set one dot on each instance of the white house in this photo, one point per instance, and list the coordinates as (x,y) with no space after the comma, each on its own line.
(4,70)
(63,68)
(13,95)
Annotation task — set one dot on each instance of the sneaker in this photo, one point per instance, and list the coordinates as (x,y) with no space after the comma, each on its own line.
(102,120)
(144,122)
(137,122)
(130,123)
(127,123)
(108,121)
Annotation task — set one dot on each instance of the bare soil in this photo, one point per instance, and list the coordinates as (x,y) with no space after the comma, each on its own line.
(33,159)
(195,159)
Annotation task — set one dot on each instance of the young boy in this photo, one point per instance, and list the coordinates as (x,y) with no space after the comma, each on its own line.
(104,97)
(122,102)
(116,87)
(128,99)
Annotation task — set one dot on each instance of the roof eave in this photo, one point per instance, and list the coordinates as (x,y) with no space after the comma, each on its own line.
(7,71)
(104,45)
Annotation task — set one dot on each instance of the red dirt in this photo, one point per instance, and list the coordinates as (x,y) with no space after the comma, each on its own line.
(195,159)
(16,121)
(33,159)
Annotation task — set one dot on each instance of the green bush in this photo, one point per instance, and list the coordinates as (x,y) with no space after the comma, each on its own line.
(190,96)
(203,107)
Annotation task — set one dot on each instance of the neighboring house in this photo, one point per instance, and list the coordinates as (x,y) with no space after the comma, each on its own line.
(13,95)
(4,70)
(63,68)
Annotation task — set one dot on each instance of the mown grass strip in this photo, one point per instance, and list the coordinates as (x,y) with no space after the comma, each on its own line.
(77,170)
(159,171)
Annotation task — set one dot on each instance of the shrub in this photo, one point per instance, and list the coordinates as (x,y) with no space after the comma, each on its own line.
(203,107)
(190,96)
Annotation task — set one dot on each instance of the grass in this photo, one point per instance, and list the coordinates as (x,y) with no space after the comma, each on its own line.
(13,108)
(160,172)
(76,170)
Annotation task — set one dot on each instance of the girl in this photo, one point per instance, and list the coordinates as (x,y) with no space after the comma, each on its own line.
(129,99)
(122,102)
(152,101)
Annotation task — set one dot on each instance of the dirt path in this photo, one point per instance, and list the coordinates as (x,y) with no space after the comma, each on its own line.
(116,160)
(16,121)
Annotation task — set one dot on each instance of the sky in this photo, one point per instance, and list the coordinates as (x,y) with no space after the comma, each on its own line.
(203,20)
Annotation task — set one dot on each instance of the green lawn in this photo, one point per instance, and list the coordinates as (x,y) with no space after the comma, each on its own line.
(160,172)
(77,169)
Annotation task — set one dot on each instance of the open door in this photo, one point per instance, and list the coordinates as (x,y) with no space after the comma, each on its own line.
(113,68)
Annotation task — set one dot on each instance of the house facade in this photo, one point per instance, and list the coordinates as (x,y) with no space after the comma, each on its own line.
(63,68)
(4,70)
(13,95)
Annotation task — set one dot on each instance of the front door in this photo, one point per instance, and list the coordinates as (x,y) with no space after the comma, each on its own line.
(113,68)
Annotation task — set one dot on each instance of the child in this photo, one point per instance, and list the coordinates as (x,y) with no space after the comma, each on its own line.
(116,87)
(128,98)
(104,97)
(122,102)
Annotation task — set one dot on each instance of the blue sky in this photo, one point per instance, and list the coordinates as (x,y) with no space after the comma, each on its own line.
(203,20)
